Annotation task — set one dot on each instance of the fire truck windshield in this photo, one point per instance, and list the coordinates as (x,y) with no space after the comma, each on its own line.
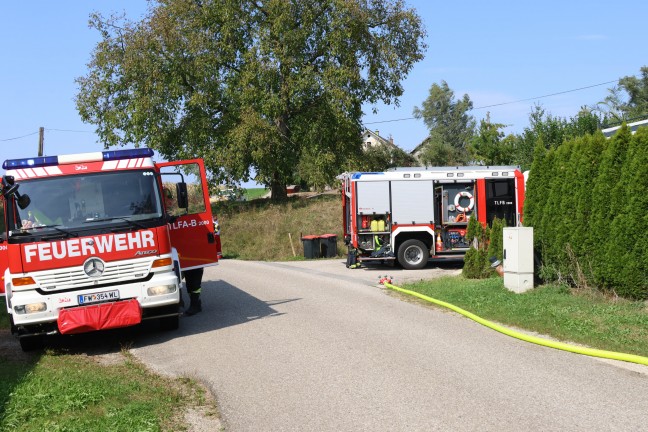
(64,203)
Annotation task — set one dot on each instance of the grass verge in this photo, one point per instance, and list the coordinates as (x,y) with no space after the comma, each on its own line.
(589,319)
(67,392)
(76,393)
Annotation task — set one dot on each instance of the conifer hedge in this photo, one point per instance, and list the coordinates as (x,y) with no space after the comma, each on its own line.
(587,201)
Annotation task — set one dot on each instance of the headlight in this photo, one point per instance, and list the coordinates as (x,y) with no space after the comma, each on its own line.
(161,289)
(30,308)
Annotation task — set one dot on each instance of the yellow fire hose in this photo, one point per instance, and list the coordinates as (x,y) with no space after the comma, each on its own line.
(536,340)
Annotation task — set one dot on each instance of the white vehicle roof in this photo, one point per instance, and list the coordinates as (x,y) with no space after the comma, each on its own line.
(435,173)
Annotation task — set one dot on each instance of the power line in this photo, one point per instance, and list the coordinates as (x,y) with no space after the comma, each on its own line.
(47,129)
(509,103)
(548,95)
(15,138)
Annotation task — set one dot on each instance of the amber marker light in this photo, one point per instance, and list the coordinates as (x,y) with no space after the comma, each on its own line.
(162,262)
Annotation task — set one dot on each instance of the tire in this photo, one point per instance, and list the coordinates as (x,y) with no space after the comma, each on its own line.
(413,254)
(170,323)
(31,343)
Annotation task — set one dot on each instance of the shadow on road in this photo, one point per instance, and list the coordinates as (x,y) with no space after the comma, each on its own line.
(224,305)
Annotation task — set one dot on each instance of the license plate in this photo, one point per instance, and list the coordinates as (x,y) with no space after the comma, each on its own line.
(98,297)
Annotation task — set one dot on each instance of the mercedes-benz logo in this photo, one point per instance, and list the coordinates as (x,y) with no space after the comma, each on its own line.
(94,267)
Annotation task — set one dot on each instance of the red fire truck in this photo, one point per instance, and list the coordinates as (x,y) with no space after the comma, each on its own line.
(95,241)
(411,214)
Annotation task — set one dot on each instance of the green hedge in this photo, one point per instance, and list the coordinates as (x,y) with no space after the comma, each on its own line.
(588,203)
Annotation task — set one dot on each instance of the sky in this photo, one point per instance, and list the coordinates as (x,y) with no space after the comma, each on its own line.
(497,52)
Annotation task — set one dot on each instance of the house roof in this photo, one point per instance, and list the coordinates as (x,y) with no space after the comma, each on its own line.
(378,138)
(420,146)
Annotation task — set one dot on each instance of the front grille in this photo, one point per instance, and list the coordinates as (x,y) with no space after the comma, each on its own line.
(75,277)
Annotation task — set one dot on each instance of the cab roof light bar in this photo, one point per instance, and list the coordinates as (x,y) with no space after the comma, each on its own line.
(108,155)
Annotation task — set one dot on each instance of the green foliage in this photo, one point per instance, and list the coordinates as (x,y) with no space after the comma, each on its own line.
(451,127)
(471,268)
(587,169)
(496,237)
(637,89)
(627,244)
(476,263)
(490,146)
(605,206)
(273,88)
(474,230)
(628,100)
(552,131)
(535,195)
(592,224)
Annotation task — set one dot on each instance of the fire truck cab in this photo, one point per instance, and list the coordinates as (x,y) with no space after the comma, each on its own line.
(408,215)
(95,241)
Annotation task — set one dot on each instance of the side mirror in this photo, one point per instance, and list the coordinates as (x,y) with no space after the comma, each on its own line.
(23,201)
(183,195)
(10,188)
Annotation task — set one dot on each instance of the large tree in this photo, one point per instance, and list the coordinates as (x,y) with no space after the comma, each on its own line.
(450,124)
(626,101)
(270,87)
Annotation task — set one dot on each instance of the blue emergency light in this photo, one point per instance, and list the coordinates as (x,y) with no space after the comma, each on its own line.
(109,155)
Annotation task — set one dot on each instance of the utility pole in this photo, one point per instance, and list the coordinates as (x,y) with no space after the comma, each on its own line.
(41,138)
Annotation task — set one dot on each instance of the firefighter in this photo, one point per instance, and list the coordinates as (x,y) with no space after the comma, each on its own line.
(193,282)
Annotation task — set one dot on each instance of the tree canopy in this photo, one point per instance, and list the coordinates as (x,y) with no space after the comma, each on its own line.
(626,101)
(451,126)
(268,88)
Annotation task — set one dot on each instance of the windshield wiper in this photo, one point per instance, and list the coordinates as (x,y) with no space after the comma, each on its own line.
(34,230)
(110,218)
(61,230)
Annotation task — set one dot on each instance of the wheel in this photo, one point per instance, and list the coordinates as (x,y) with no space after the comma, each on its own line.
(31,343)
(413,254)
(170,323)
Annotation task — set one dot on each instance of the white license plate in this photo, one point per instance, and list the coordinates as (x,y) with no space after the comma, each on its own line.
(98,297)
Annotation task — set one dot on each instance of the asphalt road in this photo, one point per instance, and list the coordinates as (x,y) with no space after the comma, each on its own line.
(313,346)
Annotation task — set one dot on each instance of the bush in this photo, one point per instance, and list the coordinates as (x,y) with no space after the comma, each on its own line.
(476,263)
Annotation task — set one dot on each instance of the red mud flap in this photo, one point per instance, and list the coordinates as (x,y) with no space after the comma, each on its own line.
(100,317)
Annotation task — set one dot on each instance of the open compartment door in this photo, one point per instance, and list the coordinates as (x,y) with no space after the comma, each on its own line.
(193,232)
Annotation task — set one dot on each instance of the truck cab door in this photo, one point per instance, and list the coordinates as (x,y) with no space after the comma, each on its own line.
(192,230)
(4,249)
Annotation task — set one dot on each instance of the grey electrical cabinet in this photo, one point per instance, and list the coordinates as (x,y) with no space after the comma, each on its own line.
(518,259)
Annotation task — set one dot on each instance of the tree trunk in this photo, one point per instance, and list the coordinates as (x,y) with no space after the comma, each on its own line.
(278,188)
(278,184)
